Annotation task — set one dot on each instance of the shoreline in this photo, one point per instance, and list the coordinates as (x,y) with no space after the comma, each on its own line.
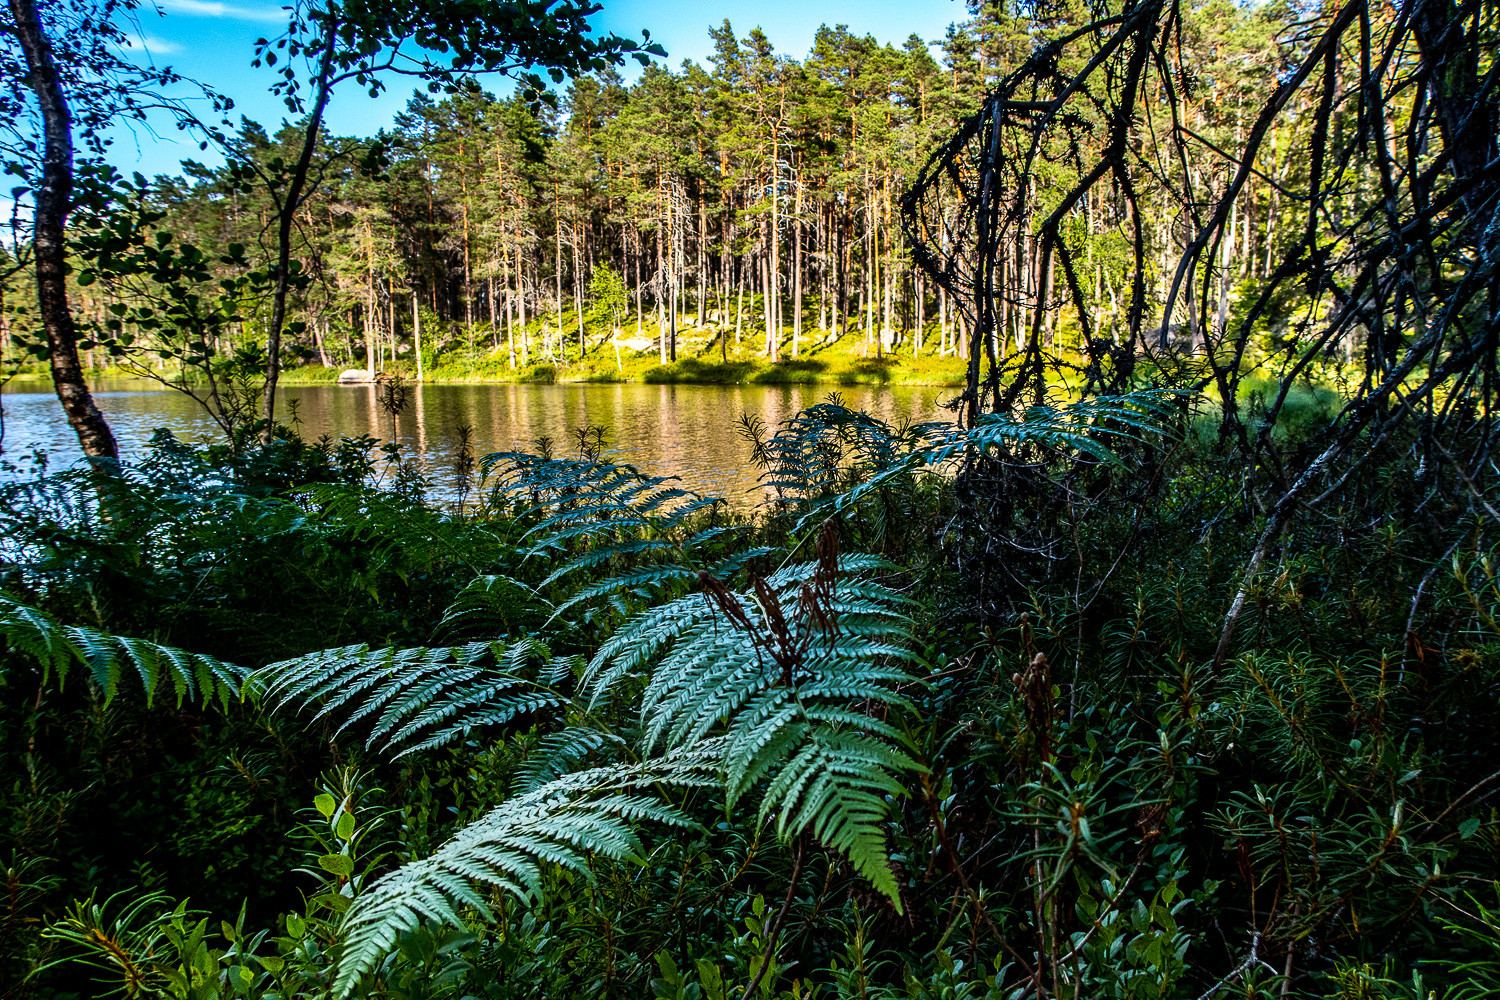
(889,375)
(40,381)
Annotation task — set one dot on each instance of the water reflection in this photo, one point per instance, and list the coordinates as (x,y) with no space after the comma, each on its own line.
(685,430)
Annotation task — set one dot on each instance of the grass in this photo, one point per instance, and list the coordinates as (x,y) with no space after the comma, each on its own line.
(701,359)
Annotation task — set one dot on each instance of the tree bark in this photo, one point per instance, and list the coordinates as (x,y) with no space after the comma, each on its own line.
(52,204)
(1458,91)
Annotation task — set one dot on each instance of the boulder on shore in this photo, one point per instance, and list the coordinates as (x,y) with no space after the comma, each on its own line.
(354,375)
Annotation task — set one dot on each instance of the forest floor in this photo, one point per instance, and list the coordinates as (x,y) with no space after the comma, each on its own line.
(702,357)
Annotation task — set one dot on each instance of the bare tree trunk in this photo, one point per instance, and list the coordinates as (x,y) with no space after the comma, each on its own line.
(765,303)
(416,326)
(942,321)
(797,273)
(919,308)
(821,240)
(636,259)
(319,330)
(468,274)
(48,241)
(702,259)
(286,216)
(578,298)
(557,273)
(521,308)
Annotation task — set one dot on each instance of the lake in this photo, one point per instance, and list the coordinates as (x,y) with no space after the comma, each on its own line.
(691,431)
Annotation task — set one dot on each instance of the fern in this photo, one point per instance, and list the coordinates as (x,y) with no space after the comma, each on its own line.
(640,535)
(828,448)
(410,700)
(576,487)
(492,605)
(772,676)
(1092,427)
(109,658)
(828,459)
(396,521)
(562,752)
(642,581)
(773,693)
(836,787)
(559,823)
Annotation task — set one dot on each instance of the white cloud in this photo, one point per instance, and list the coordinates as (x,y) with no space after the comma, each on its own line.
(213,8)
(152,44)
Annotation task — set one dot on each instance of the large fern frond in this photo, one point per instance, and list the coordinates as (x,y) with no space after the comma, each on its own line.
(707,674)
(109,658)
(836,787)
(562,752)
(594,812)
(639,537)
(781,678)
(492,605)
(414,699)
(1094,427)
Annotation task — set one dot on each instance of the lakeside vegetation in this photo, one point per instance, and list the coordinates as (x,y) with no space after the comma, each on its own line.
(702,359)
(1167,669)
(585,732)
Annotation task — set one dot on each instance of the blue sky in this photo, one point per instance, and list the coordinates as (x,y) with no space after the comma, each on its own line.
(211,41)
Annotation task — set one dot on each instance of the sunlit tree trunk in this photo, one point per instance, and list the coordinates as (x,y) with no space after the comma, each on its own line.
(51,204)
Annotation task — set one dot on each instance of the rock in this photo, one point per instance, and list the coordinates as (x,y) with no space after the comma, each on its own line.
(355,375)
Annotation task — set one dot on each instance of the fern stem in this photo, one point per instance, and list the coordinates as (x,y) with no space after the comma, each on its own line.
(786,905)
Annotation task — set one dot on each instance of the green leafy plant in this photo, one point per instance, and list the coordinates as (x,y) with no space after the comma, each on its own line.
(58,649)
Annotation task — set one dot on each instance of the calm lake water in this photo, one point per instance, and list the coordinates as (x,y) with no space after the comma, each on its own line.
(689,431)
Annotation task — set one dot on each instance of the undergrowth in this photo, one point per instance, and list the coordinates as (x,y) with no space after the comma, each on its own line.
(954,714)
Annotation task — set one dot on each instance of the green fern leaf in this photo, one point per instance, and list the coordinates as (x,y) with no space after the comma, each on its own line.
(108,658)
(419,698)
(559,823)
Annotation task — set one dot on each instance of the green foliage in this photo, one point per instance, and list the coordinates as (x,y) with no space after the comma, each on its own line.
(561,823)
(636,536)
(415,699)
(56,649)
(1094,428)
(766,695)
(607,292)
(744,745)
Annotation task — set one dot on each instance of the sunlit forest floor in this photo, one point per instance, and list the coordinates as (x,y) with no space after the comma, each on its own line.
(704,355)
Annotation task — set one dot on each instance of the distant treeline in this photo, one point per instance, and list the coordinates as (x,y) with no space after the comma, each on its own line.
(691,192)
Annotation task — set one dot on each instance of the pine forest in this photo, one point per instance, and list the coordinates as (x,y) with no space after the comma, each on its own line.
(751,205)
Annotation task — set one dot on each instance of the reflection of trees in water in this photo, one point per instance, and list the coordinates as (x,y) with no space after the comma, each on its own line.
(681,430)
